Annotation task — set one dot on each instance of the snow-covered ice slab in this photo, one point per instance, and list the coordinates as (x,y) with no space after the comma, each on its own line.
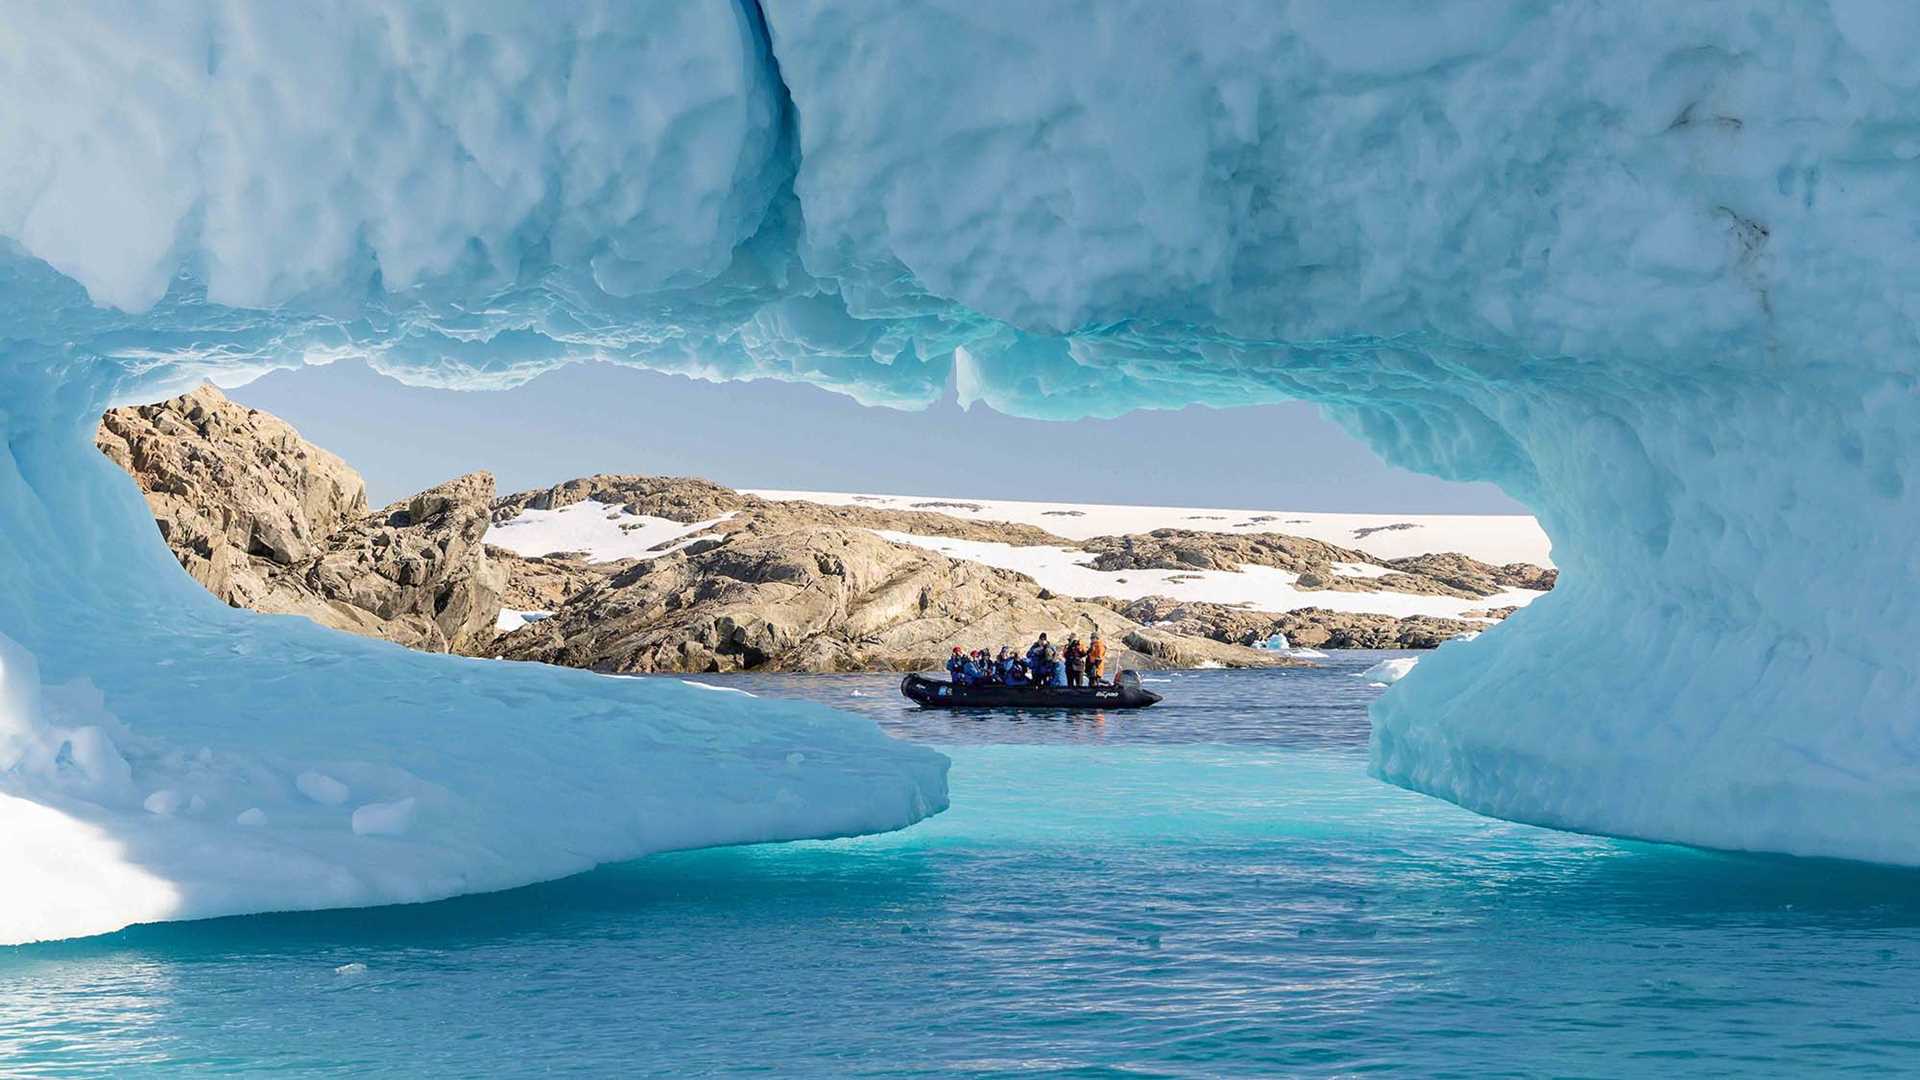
(272,765)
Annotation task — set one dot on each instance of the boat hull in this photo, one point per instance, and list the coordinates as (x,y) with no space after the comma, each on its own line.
(1124,692)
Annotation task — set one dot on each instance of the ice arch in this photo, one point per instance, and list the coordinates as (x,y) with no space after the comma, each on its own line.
(1651,270)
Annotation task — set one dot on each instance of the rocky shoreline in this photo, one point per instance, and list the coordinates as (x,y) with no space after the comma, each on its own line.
(268,521)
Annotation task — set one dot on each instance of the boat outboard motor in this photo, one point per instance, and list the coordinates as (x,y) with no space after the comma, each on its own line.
(1127,680)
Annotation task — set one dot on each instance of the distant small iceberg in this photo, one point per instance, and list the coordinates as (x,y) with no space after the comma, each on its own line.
(1388,672)
(1277,642)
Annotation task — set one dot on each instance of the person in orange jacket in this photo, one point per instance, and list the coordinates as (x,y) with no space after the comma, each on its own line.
(1096,659)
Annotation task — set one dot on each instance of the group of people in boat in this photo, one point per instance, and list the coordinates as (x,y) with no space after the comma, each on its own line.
(1044,664)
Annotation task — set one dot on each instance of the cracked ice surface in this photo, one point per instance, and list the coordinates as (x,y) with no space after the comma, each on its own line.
(1645,266)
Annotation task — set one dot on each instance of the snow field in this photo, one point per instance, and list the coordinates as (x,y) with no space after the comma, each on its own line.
(1491,538)
(605,532)
(1263,588)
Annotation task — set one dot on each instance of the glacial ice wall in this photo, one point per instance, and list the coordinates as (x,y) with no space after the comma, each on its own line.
(1648,267)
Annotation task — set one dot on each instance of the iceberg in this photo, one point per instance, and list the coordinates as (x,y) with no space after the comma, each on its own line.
(262,763)
(1388,672)
(1277,642)
(1645,267)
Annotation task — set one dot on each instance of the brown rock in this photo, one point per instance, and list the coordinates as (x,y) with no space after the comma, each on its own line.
(1314,628)
(1312,562)
(793,596)
(268,521)
(234,490)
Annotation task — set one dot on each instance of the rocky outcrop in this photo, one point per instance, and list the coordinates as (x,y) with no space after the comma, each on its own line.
(237,493)
(1314,627)
(677,498)
(545,583)
(268,521)
(420,565)
(785,594)
(1319,628)
(1474,577)
(1316,564)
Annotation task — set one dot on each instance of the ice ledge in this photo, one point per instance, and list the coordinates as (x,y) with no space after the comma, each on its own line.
(378,775)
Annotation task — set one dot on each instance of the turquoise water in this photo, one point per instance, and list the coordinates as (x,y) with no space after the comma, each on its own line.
(1206,888)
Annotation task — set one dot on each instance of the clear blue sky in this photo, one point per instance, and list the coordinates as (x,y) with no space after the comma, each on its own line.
(591,417)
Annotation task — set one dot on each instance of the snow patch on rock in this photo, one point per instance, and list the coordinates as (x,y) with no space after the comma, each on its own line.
(603,532)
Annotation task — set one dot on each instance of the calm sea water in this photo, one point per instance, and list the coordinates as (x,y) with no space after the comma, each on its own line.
(1211,887)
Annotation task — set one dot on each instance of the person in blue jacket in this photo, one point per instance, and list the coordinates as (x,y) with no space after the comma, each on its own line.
(1037,660)
(1017,672)
(982,667)
(956,664)
(1057,671)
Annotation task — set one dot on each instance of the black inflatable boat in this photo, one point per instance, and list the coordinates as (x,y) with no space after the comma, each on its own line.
(1123,692)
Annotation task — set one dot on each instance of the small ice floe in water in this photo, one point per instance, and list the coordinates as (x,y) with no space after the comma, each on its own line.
(351,969)
(1277,642)
(321,788)
(252,817)
(1388,672)
(166,802)
(1209,665)
(794,759)
(384,818)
